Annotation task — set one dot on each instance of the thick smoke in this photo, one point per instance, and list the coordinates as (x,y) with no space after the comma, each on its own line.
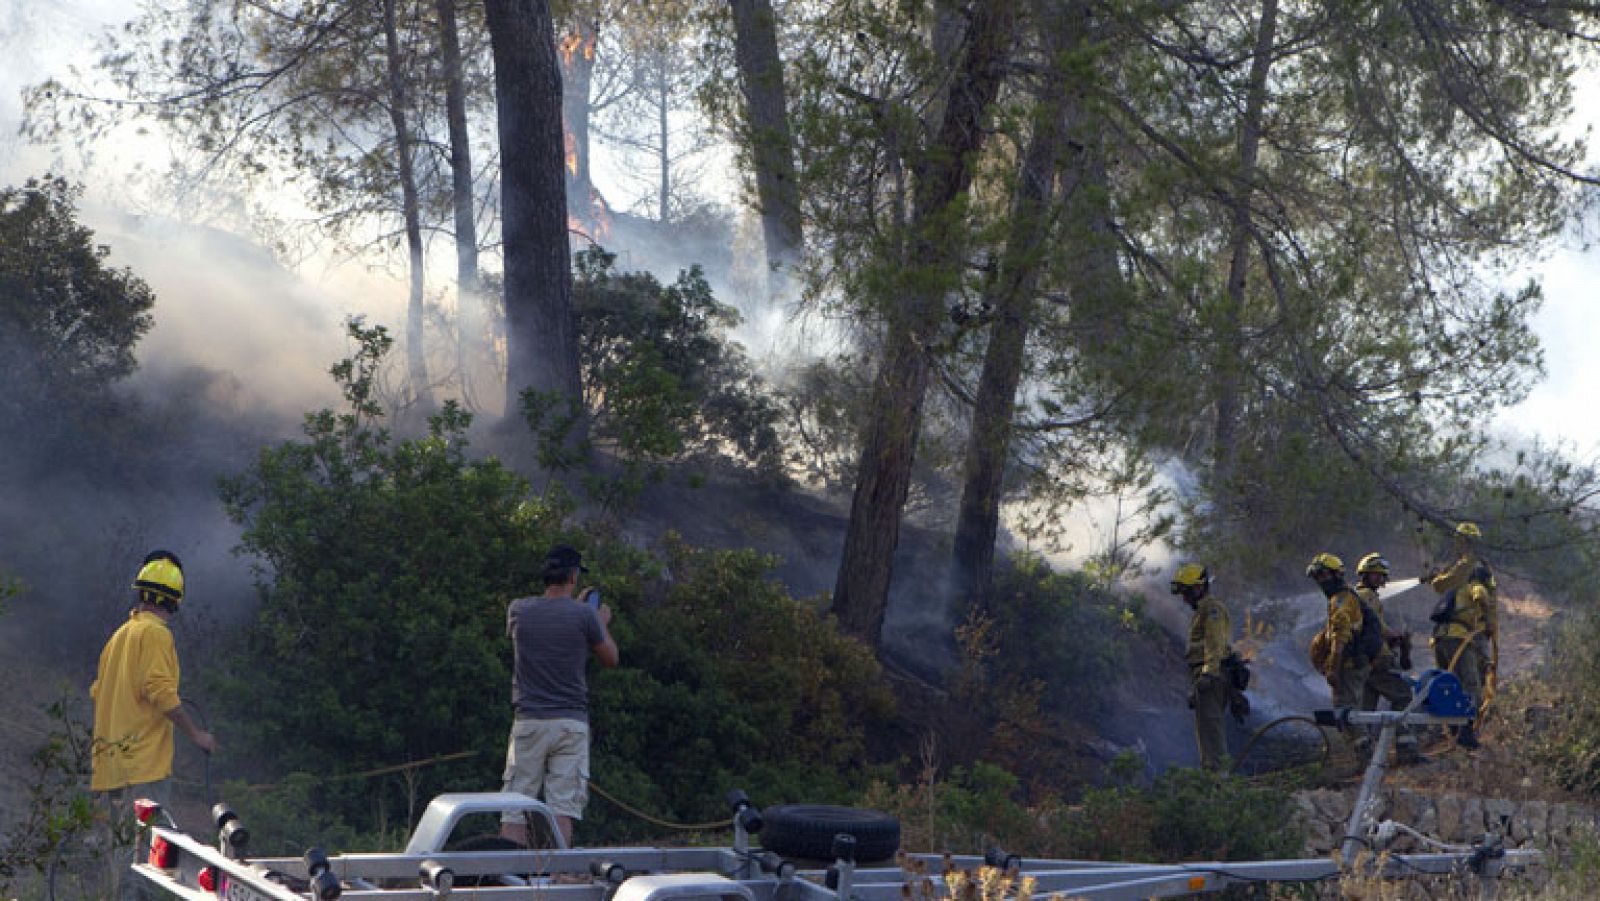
(239,352)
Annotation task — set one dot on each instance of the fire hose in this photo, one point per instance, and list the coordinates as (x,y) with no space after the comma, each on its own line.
(205,725)
(1327,748)
(1491,679)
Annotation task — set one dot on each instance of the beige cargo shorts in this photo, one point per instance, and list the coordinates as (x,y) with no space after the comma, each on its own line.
(549,759)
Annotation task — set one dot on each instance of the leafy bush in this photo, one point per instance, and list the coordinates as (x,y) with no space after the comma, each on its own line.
(68,321)
(969,811)
(727,683)
(384,571)
(1063,626)
(1568,745)
(662,384)
(1033,667)
(1187,814)
(287,816)
(59,810)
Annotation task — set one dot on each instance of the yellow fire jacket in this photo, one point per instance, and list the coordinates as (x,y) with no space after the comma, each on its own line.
(1344,618)
(1210,637)
(1476,611)
(135,687)
(1370,597)
(1454,577)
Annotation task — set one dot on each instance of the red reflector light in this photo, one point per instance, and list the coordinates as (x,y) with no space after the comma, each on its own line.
(145,810)
(163,856)
(207,879)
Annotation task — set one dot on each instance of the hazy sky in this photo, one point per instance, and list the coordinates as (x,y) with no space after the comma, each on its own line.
(43,37)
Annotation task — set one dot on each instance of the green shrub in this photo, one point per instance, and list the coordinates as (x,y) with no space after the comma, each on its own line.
(1568,746)
(58,810)
(971,810)
(1187,814)
(1037,663)
(1060,626)
(385,567)
(728,683)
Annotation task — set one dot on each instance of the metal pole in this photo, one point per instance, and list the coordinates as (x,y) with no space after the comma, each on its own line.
(1355,830)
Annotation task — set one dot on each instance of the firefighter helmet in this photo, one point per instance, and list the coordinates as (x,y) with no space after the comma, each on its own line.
(1190,575)
(1324,563)
(1469,530)
(1373,563)
(161,577)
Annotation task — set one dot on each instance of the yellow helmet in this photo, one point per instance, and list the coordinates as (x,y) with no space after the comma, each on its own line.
(1324,561)
(1469,530)
(161,577)
(1373,563)
(1190,575)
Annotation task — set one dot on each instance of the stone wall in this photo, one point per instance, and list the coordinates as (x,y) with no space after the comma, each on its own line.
(1448,817)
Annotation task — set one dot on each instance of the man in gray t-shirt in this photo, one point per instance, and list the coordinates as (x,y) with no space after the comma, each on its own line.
(552,636)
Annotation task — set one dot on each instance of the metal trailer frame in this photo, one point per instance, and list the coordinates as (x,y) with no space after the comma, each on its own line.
(425,872)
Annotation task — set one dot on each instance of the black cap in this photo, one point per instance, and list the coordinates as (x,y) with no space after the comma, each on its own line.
(564,556)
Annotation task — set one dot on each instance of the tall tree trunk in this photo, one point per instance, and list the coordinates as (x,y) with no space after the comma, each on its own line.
(1065,159)
(541,340)
(471,350)
(771,142)
(416,359)
(1230,344)
(943,172)
(577,67)
(1012,299)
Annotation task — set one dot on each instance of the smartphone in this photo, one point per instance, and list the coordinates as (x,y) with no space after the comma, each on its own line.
(594,599)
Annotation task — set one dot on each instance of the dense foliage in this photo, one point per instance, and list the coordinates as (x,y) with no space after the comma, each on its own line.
(385,569)
(1263,247)
(661,377)
(1568,744)
(663,384)
(728,683)
(1182,815)
(57,812)
(378,557)
(68,321)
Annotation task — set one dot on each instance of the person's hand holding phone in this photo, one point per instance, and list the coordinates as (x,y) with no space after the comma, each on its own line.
(591,596)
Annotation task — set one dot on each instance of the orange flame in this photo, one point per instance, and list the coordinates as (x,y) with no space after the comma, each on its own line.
(571,151)
(588,48)
(569,46)
(601,228)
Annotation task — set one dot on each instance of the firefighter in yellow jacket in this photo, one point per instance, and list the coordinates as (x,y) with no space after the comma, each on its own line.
(1210,637)
(1457,574)
(1466,622)
(136,706)
(1385,680)
(1344,665)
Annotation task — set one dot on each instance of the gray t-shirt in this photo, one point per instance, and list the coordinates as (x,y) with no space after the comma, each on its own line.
(550,640)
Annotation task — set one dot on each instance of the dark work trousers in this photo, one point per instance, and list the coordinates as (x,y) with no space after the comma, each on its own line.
(1385,681)
(1210,730)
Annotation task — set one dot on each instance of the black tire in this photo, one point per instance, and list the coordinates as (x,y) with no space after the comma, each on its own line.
(485,842)
(806,831)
